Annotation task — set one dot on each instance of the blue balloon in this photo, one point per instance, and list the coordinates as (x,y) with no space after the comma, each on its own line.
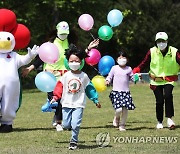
(45,81)
(114,17)
(105,64)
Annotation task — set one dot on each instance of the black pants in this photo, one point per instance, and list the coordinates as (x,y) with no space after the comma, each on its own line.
(58,113)
(163,95)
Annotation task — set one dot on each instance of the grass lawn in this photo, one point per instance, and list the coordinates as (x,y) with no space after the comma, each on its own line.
(33,132)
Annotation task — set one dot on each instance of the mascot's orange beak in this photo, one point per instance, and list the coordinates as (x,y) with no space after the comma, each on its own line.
(5,45)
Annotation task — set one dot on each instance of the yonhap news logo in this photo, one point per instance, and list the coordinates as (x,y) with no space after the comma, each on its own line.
(146,139)
(104,139)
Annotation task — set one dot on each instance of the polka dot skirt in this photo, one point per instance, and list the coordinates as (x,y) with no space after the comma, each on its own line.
(121,99)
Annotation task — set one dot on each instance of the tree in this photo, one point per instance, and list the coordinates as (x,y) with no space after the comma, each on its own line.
(142,20)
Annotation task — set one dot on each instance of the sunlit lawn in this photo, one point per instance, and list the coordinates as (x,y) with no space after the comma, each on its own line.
(33,132)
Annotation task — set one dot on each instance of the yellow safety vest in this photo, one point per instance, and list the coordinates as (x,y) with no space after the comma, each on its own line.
(162,66)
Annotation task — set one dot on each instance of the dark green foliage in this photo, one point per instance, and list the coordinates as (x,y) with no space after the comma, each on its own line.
(135,35)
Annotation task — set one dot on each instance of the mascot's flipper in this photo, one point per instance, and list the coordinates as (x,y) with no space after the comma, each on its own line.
(48,107)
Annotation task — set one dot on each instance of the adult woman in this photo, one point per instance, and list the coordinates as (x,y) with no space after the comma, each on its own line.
(164,63)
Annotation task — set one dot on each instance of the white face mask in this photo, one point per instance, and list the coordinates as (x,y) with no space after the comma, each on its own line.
(74,65)
(162,45)
(62,37)
(122,61)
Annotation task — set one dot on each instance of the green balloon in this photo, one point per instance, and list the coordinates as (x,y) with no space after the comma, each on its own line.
(105,33)
(67,65)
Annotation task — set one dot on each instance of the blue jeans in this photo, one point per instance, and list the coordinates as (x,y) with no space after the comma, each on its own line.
(72,118)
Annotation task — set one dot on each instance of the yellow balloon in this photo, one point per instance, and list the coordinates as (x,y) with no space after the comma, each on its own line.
(99,83)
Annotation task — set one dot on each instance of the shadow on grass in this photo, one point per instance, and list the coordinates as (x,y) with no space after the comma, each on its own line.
(139,122)
(79,142)
(95,127)
(31,129)
(141,128)
(82,145)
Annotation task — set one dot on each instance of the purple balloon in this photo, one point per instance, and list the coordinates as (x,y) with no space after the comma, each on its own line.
(48,52)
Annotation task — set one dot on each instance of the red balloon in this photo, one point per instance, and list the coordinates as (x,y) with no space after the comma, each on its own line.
(22,36)
(94,57)
(7,20)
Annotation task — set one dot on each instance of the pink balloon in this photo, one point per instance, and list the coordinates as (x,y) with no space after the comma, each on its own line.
(48,52)
(94,57)
(86,22)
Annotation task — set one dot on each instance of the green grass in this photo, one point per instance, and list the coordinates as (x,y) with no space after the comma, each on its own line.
(33,132)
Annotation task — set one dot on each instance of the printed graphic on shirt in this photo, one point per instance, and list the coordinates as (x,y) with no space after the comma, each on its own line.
(74,86)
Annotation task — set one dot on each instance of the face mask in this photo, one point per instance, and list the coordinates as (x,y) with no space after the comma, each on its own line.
(62,37)
(74,65)
(162,45)
(122,61)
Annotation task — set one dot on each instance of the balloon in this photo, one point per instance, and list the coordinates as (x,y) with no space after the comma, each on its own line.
(105,64)
(114,17)
(94,57)
(86,22)
(105,32)
(22,36)
(7,20)
(99,83)
(67,65)
(48,52)
(45,81)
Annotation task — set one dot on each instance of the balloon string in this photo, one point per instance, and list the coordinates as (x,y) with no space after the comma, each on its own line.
(92,35)
(95,69)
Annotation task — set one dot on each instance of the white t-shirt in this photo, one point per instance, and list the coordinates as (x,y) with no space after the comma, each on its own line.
(74,86)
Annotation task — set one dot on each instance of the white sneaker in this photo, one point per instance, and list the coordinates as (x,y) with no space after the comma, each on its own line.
(170,123)
(59,128)
(122,128)
(54,124)
(159,125)
(116,122)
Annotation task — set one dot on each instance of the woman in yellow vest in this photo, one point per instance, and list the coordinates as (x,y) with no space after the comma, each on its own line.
(58,68)
(164,61)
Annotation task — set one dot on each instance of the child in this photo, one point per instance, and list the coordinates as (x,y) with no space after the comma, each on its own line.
(71,88)
(120,94)
(64,36)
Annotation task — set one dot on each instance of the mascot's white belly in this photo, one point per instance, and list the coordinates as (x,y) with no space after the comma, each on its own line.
(10,62)
(9,87)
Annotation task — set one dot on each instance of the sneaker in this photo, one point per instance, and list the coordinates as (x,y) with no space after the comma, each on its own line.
(6,128)
(159,125)
(170,123)
(54,124)
(59,128)
(116,122)
(73,145)
(122,128)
